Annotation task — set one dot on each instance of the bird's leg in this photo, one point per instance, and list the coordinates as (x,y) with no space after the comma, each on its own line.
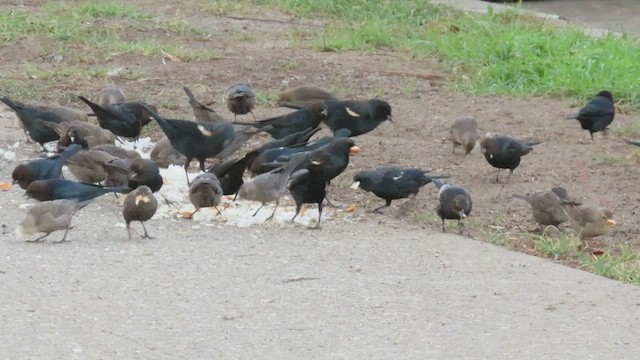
(38,239)
(254,117)
(443,230)
(235,196)
(592,141)
(129,230)
(330,204)
(460,226)
(274,211)
(498,176)
(186,172)
(146,234)
(202,165)
(26,134)
(167,201)
(235,117)
(215,207)
(509,177)
(319,216)
(297,212)
(377,210)
(64,237)
(256,213)
(191,216)
(454,149)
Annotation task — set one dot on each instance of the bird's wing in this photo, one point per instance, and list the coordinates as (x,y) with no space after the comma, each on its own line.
(297,178)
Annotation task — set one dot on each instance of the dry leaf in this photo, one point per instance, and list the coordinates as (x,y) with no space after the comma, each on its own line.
(351,208)
(5,186)
(186,214)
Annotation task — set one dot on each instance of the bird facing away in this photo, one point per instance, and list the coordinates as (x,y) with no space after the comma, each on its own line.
(270,186)
(454,203)
(87,167)
(547,206)
(43,169)
(110,95)
(197,140)
(53,189)
(205,191)
(303,96)
(241,99)
(503,152)
(464,132)
(307,186)
(294,122)
(588,222)
(49,216)
(391,182)
(133,174)
(202,112)
(359,117)
(139,205)
(597,114)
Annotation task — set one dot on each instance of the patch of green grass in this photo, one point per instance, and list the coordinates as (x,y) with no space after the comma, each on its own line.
(224,7)
(624,266)
(629,131)
(499,238)
(555,246)
(607,159)
(267,97)
(505,53)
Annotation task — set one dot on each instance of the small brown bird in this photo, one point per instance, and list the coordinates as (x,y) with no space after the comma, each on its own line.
(110,95)
(547,206)
(241,99)
(86,165)
(200,111)
(205,191)
(49,216)
(139,205)
(464,132)
(588,222)
(120,153)
(303,96)
(70,114)
(83,133)
(164,154)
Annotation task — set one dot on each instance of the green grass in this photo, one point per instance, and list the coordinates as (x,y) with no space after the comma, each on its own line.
(504,53)
(622,265)
(101,28)
(555,246)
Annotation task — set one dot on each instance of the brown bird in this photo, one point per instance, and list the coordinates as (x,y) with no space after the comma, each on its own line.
(241,99)
(464,132)
(110,95)
(139,205)
(117,151)
(49,216)
(303,96)
(164,154)
(588,222)
(205,191)
(83,133)
(200,111)
(547,206)
(86,165)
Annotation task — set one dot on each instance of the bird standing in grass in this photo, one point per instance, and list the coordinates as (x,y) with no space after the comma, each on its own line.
(139,205)
(241,99)
(49,216)
(454,203)
(588,222)
(597,114)
(503,152)
(392,182)
(547,206)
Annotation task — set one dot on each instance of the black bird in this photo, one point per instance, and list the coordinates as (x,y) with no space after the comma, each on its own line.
(241,99)
(307,186)
(392,182)
(359,117)
(34,121)
(53,189)
(258,163)
(139,205)
(334,157)
(294,122)
(140,111)
(503,152)
(230,174)
(196,139)
(455,203)
(117,118)
(296,139)
(43,169)
(202,112)
(597,114)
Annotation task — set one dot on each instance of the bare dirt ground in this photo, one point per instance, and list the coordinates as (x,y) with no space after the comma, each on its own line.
(603,174)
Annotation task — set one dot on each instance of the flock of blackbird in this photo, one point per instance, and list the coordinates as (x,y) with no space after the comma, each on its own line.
(289,162)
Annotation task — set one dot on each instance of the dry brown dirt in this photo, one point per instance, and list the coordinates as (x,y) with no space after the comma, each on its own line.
(260,51)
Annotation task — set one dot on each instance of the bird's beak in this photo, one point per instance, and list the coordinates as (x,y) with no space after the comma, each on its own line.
(315,162)
(143,198)
(611,222)
(14,182)
(462,214)
(490,156)
(355,185)
(324,112)
(354,150)
(390,118)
